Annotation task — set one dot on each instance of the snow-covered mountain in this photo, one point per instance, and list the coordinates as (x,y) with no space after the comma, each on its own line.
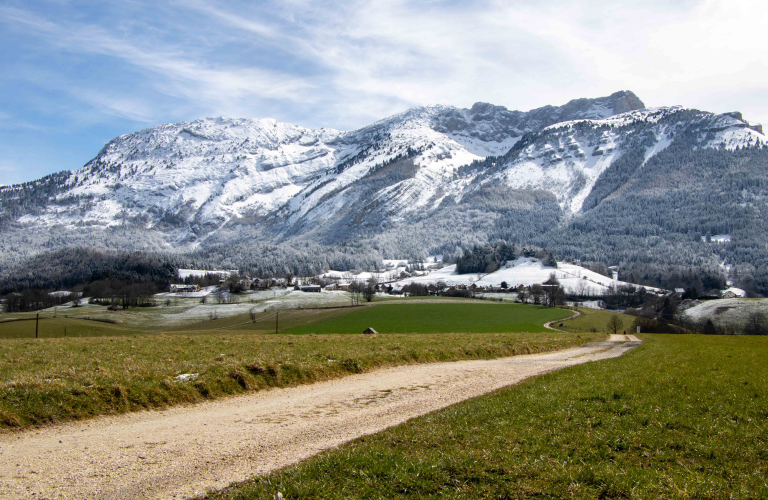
(431,176)
(189,179)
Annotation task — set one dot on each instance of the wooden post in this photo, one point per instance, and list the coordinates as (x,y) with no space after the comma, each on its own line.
(277,319)
(65,331)
(37,324)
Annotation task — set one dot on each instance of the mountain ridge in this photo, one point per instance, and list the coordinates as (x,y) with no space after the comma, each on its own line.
(458,174)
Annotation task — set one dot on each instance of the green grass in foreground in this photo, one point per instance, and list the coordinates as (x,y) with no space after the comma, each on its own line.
(440,318)
(680,417)
(53,380)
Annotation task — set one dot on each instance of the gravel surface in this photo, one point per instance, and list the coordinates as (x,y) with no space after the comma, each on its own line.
(185,451)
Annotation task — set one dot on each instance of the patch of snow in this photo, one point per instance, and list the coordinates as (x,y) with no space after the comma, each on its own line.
(524,271)
(733,313)
(661,144)
(200,273)
(718,238)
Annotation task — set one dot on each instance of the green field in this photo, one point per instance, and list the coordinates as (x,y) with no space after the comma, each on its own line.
(458,316)
(125,369)
(595,320)
(440,318)
(92,323)
(680,417)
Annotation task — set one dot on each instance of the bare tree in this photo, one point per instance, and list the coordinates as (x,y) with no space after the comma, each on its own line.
(356,289)
(553,292)
(615,323)
(581,288)
(370,289)
(536,292)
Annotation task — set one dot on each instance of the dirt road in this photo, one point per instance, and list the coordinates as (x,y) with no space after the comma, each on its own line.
(183,452)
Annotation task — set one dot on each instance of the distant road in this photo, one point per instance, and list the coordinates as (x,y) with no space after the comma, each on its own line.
(185,451)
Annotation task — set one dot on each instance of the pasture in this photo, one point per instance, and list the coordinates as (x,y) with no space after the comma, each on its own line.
(470,317)
(104,368)
(682,416)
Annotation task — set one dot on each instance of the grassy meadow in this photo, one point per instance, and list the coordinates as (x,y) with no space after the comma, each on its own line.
(470,317)
(98,322)
(103,368)
(679,417)
(592,320)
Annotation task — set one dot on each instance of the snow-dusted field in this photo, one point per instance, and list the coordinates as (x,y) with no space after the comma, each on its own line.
(259,302)
(524,271)
(727,312)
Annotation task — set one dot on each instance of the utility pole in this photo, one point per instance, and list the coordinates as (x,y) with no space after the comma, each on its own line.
(37,324)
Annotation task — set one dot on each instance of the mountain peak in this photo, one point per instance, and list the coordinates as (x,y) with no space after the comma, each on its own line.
(625,100)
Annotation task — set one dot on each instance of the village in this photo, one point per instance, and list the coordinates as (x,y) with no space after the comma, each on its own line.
(522,280)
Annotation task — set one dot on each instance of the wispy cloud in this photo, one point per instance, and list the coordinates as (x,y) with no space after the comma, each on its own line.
(182,73)
(344,65)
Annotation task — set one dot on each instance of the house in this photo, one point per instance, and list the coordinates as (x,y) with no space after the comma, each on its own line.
(339,285)
(184,288)
(733,293)
(310,288)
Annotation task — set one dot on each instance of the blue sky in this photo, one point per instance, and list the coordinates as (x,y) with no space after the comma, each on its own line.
(75,74)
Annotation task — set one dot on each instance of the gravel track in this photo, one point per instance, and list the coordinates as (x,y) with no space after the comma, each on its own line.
(548,324)
(185,451)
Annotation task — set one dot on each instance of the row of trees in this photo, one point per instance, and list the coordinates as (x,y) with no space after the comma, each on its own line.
(489,258)
(34,299)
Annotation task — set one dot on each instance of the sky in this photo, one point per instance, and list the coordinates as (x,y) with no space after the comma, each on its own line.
(75,74)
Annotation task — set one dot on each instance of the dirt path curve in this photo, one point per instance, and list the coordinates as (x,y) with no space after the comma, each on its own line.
(548,324)
(185,451)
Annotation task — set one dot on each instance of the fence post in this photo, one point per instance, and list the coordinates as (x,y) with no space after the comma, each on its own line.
(277,320)
(37,324)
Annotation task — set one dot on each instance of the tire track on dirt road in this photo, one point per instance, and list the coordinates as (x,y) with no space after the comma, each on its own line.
(185,451)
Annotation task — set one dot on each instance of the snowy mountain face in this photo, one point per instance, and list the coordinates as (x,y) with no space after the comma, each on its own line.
(567,158)
(440,172)
(187,180)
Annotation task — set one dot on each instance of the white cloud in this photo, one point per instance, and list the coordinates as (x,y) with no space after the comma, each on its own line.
(384,56)
(347,64)
(181,73)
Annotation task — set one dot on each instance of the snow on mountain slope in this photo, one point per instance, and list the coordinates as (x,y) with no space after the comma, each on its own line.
(207,172)
(186,182)
(567,158)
